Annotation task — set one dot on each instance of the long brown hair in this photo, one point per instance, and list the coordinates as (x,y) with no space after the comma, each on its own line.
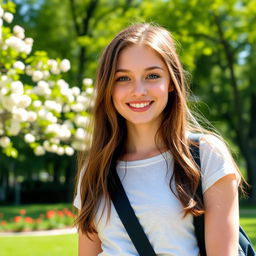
(109,129)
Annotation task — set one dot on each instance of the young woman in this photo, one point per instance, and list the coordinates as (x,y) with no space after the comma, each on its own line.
(142,125)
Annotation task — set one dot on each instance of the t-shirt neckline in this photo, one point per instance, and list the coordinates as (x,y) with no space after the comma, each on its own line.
(144,162)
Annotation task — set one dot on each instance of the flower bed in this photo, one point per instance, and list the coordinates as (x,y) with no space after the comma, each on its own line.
(52,219)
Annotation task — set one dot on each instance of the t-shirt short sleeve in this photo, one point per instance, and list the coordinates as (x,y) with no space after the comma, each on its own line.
(216,161)
(77,201)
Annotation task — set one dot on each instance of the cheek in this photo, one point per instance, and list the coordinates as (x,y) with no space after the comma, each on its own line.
(117,97)
(118,94)
(161,90)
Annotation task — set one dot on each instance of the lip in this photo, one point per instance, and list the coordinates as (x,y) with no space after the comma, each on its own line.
(139,102)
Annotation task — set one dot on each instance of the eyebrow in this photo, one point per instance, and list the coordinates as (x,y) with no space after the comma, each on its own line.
(147,69)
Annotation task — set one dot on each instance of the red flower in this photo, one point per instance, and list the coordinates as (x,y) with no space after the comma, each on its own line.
(28,220)
(22,212)
(3,222)
(50,214)
(17,219)
(60,213)
(68,213)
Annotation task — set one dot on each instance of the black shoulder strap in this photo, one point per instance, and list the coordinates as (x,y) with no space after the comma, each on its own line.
(198,220)
(129,219)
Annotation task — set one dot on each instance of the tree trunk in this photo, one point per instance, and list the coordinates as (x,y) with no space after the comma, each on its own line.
(70,177)
(251,172)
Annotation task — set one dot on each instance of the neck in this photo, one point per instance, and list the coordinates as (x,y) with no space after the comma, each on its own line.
(141,142)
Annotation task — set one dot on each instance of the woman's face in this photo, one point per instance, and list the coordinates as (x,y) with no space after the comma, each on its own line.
(141,86)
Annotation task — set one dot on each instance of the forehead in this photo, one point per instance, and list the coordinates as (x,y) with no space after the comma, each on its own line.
(136,56)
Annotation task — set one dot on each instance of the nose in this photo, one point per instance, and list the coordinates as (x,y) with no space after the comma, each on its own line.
(139,89)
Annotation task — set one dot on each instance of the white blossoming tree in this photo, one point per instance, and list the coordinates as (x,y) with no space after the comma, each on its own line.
(36,103)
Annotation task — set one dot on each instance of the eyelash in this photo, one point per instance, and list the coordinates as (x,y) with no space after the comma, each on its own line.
(120,79)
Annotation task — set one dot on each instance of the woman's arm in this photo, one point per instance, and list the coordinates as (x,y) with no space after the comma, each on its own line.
(222,217)
(87,247)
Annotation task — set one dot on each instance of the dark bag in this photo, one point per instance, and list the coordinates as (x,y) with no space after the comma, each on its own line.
(135,230)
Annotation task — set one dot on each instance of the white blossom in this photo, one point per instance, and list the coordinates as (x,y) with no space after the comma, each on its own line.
(29,138)
(89,90)
(39,151)
(54,67)
(78,107)
(80,134)
(78,145)
(65,65)
(32,116)
(60,151)
(75,90)
(4,91)
(46,74)
(53,148)
(29,71)
(20,114)
(51,118)
(53,128)
(65,132)
(17,87)
(16,43)
(8,17)
(37,103)
(29,41)
(55,140)
(25,101)
(5,80)
(52,105)
(14,128)
(69,151)
(19,31)
(5,141)
(1,11)
(19,65)
(81,121)
(1,131)
(10,101)
(87,81)
(46,145)
(68,124)
(37,75)
(62,84)
(42,88)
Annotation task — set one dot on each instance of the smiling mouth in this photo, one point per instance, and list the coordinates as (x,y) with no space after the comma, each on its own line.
(141,105)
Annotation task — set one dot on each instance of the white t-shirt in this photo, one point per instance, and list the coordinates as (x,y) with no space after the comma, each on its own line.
(146,183)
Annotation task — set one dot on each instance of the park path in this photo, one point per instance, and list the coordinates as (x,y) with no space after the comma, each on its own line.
(40,233)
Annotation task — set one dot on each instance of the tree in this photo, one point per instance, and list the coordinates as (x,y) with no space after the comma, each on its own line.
(218,42)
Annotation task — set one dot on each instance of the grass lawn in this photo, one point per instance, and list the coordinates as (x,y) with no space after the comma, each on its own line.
(64,245)
(248,222)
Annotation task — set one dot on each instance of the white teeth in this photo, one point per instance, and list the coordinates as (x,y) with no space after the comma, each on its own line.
(139,105)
